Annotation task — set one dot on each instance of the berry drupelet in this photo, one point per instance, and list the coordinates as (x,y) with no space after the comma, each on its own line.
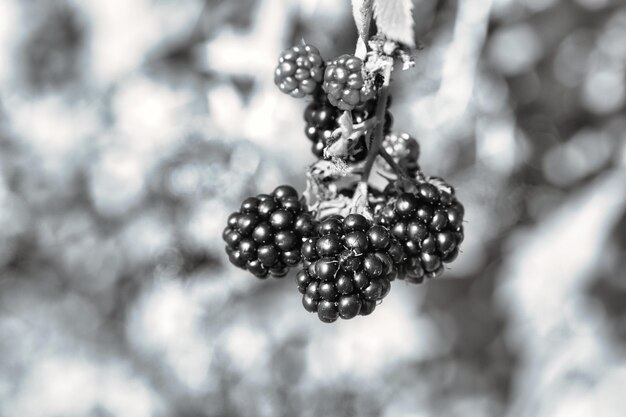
(344,84)
(265,235)
(348,266)
(300,70)
(428,220)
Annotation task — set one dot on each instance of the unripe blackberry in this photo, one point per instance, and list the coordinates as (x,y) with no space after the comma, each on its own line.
(300,70)
(404,149)
(344,83)
(348,267)
(427,219)
(265,236)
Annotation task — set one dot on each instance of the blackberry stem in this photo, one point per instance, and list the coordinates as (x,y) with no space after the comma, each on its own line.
(377,138)
(400,172)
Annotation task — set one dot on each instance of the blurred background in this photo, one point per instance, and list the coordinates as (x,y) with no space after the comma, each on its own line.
(129,130)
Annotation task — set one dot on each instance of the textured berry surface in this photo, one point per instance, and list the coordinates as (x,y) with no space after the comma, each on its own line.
(348,267)
(404,149)
(344,84)
(427,219)
(300,70)
(265,235)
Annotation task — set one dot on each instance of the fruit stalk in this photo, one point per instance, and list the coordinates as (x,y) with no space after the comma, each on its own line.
(377,137)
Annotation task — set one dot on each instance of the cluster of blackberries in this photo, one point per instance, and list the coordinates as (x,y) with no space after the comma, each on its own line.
(335,87)
(427,219)
(348,267)
(347,263)
(265,235)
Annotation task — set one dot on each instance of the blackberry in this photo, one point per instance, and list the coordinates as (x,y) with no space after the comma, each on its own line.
(321,120)
(348,267)
(344,84)
(427,219)
(404,149)
(265,235)
(300,70)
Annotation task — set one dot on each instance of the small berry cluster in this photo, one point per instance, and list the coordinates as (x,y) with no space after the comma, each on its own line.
(353,239)
(348,268)
(265,235)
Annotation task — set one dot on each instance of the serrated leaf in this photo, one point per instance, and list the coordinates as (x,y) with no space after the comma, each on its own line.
(394,19)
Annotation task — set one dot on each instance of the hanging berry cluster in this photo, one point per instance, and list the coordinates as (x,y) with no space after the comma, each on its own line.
(348,235)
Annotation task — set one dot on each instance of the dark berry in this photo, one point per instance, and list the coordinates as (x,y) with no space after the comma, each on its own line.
(331,226)
(357,241)
(263,238)
(326,269)
(405,205)
(248,249)
(379,237)
(232,238)
(309,251)
(349,306)
(309,303)
(367,307)
(250,205)
(246,223)
(344,283)
(327,311)
(283,192)
(281,219)
(234,256)
(361,280)
(302,279)
(287,240)
(355,222)
(304,225)
(329,245)
(431,227)
(233,220)
(268,255)
(327,291)
(262,233)
(342,264)
(291,258)
(311,290)
(257,268)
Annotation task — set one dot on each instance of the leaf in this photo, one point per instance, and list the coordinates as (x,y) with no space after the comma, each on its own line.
(394,19)
(362,12)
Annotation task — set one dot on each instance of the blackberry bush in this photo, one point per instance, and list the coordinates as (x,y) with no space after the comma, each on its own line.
(265,235)
(349,266)
(427,219)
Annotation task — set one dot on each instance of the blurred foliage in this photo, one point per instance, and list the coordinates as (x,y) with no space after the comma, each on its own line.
(130,130)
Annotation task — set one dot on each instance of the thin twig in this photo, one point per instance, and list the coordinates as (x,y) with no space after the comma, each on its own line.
(400,172)
(377,139)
